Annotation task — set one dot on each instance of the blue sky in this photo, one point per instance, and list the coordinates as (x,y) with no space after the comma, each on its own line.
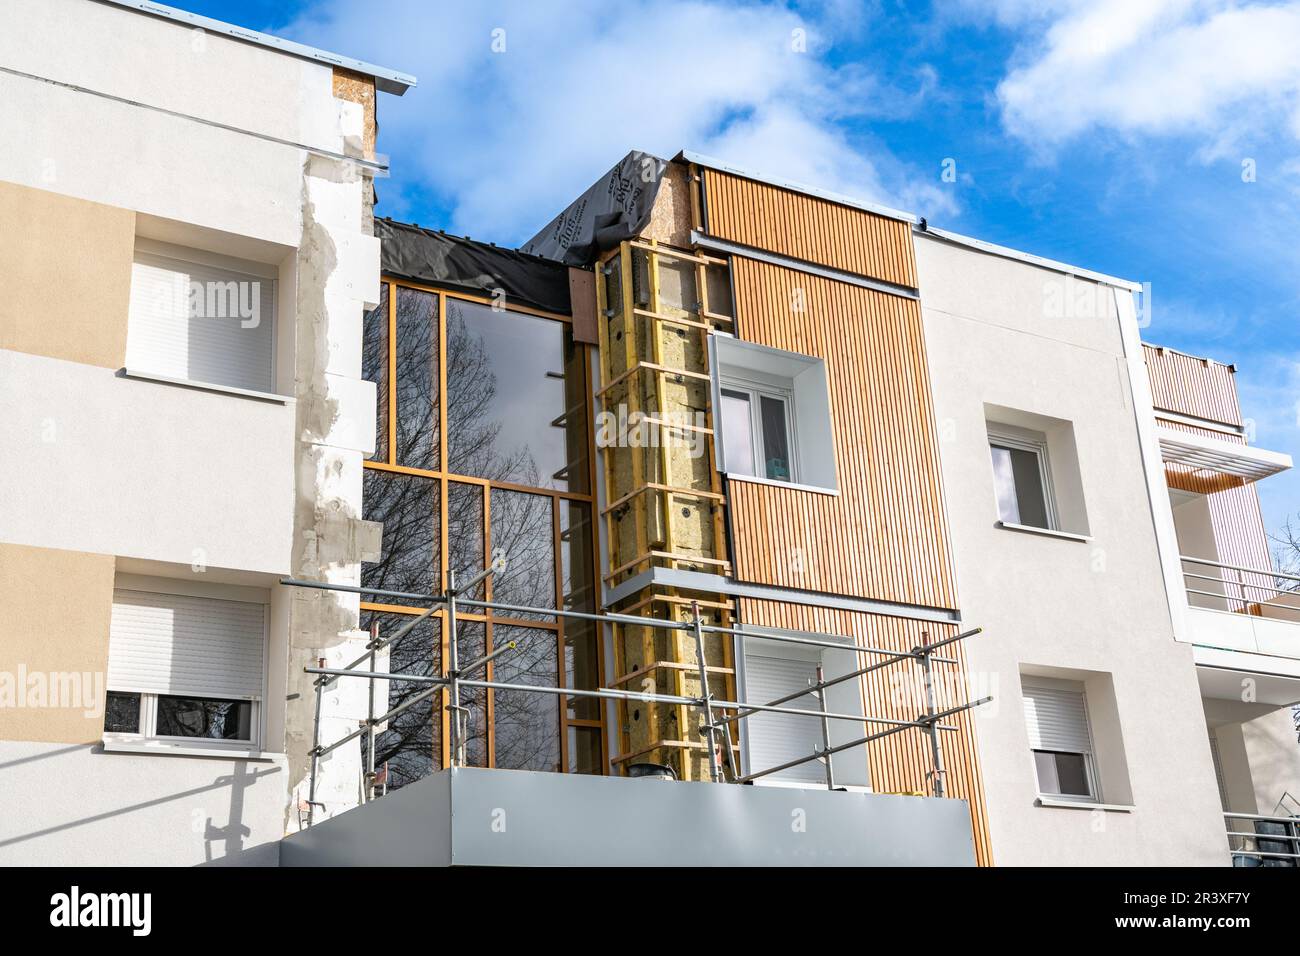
(1156,140)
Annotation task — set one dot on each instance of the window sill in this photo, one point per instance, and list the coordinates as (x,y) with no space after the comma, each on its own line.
(205,386)
(1045,532)
(170,750)
(815,489)
(1084,805)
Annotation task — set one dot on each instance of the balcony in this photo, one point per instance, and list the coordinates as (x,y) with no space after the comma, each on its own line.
(1202,453)
(1244,627)
(1256,840)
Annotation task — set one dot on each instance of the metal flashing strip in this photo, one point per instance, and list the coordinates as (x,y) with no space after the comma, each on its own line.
(1209,424)
(390,81)
(1007,253)
(703,581)
(799,265)
(374,167)
(1200,358)
(708,162)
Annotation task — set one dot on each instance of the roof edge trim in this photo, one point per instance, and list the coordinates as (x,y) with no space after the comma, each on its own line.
(708,162)
(1027,257)
(389,81)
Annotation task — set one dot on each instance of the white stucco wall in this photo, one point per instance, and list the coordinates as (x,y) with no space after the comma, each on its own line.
(996,333)
(141,469)
(75,805)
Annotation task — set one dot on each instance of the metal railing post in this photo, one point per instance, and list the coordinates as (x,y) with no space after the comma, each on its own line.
(315,748)
(826,727)
(370,714)
(453,672)
(706,699)
(931,712)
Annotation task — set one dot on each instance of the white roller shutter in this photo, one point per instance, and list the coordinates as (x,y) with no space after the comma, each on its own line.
(1057,719)
(201,337)
(183,645)
(775,739)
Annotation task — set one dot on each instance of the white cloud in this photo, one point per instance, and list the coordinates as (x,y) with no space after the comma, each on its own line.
(508,138)
(1222,72)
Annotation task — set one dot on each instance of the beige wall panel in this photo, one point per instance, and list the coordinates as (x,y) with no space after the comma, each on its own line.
(67,276)
(57,608)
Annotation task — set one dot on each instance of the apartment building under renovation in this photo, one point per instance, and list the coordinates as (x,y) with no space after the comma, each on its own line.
(726,521)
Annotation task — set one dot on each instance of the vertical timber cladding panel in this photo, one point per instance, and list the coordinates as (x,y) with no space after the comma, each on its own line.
(1192,386)
(814,230)
(899,763)
(885,535)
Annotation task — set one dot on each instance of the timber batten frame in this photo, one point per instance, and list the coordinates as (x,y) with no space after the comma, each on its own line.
(652,354)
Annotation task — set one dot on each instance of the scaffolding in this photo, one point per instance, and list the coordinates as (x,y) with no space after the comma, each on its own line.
(718,714)
(657,306)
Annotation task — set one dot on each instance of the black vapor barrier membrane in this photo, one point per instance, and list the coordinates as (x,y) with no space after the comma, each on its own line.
(453,262)
(615,208)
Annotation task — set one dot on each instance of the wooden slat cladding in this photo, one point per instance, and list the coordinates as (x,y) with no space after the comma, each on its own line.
(804,227)
(1192,386)
(885,535)
(900,762)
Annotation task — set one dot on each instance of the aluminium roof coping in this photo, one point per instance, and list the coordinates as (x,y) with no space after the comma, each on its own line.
(390,81)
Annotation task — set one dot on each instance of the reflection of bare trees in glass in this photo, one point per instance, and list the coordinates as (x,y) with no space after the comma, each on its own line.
(416,357)
(527,725)
(522,436)
(521,530)
(473,448)
(374,367)
(465,553)
(412,739)
(410,556)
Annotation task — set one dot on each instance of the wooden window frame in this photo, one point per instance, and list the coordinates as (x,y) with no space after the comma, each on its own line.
(444,477)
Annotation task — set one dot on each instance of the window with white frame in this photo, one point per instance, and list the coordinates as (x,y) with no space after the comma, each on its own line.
(773,412)
(201,317)
(1022,479)
(185,669)
(772,669)
(1060,738)
(756,429)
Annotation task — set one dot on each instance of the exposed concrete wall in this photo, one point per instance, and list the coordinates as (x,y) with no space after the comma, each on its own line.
(92,808)
(70,259)
(1012,335)
(53,644)
(338,279)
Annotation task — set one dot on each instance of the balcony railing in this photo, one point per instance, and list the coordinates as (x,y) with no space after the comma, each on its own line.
(1263,841)
(1228,587)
